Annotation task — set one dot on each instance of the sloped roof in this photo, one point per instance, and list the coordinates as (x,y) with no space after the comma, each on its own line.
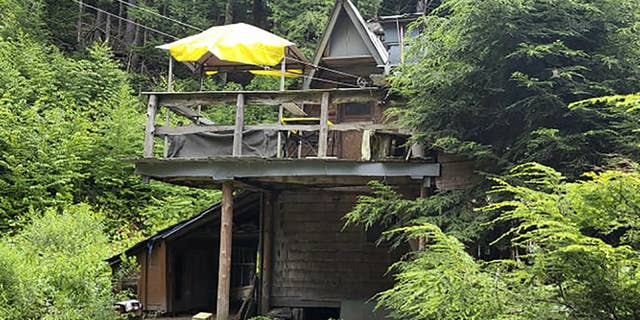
(375,47)
(211,213)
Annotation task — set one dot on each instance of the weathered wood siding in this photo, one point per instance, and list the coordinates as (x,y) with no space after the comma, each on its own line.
(456,172)
(345,40)
(315,262)
(152,285)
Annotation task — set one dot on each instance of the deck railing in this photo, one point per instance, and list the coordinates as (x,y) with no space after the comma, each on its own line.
(190,105)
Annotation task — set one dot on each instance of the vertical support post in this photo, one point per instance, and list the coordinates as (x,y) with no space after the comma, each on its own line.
(424,193)
(300,140)
(202,74)
(237,132)
(267,236)
(170,75)
(280,116)
(150,129)
(224,266)
(167,120)
(167,123)
(283,71)
(324,126)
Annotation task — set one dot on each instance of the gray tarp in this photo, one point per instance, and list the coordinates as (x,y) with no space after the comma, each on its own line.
(256,143)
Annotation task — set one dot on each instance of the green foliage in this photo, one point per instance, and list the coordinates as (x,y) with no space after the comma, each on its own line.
(451,210)
(54,268)
(66,126)
(578,258)
(18,17)
(301,21)
(445,282)
(579,237)
(631,101)
(498,76)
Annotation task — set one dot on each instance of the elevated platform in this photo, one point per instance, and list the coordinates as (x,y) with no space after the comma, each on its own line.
(283,172)
(345,141)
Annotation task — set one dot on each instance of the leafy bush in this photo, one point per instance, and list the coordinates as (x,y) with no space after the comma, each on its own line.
(54,268)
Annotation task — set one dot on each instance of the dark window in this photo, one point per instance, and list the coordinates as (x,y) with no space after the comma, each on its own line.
(357,110)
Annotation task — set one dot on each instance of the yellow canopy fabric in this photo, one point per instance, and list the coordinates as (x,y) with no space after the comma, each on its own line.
(304,120)
(236,43)
(293,73)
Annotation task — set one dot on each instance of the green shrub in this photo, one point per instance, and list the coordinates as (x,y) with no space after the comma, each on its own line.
(54,268)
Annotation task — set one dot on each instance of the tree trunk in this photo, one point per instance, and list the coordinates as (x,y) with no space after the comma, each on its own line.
(259,13)
(130,30)
(79,25)
(120,13)
(228,19)
(98,27)
(229,12)
(107,29)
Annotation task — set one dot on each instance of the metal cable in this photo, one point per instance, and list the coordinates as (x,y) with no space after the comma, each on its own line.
(329,81)
(160,15)
(196,28)
(127,20)
(323,68)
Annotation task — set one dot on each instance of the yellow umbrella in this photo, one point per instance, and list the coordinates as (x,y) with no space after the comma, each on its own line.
(235,47)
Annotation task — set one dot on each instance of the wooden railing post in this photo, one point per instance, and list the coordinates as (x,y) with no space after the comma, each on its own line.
(224,263)
(324,126)
(279,143)
(237,132)
(150,129)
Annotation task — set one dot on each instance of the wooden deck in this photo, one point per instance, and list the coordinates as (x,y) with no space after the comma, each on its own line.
(367,150)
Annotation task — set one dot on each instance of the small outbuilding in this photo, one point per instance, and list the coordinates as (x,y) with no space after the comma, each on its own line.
(178,265)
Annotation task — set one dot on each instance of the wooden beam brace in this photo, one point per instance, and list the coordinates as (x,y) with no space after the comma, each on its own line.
(152,109)
(239,126)
(324,126)
(194,115)
(224,264)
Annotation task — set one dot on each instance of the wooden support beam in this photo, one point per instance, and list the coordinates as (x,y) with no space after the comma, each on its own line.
(424,193)
(224,265)
(194,115)
(283,70)
(347,126)
(265,98)
(279,144)
(152,109)
(167,123)
(324,126)
(239,127)
(267,236)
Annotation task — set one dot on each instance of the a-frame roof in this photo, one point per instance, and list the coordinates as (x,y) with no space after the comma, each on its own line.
(342,9)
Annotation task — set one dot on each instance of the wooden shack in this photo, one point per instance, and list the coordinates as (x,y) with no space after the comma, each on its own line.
(332,140)
(178,265)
